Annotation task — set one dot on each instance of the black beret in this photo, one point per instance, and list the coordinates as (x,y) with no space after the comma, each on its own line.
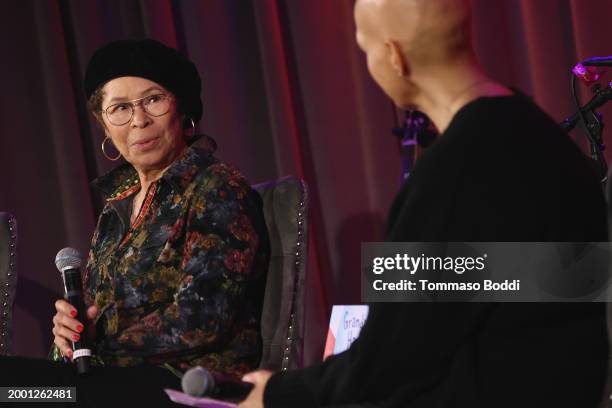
(152,60)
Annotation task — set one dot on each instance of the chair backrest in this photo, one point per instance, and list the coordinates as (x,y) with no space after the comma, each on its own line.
(285,204)
(8,278)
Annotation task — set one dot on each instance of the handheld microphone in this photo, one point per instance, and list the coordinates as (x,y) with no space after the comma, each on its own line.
(68,262)
(198,382)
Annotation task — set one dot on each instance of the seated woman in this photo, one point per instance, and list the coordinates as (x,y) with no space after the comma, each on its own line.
(175,275)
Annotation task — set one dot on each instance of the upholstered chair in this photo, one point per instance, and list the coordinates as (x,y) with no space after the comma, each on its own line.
(8,278)
(285,203)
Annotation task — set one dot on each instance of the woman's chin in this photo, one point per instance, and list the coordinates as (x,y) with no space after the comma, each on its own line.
(150,160)
(154,158)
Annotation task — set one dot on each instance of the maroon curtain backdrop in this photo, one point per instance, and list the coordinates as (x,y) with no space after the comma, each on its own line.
(285,91)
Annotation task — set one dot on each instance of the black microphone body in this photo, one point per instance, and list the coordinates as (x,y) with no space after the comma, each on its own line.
(74,296)
(68,261)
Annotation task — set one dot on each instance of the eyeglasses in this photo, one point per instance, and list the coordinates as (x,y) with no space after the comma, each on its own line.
(154,105)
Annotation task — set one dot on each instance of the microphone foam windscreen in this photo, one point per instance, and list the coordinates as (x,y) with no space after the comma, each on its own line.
(68,258)
(197,381)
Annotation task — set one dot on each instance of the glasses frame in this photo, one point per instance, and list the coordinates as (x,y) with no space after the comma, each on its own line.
(133,104)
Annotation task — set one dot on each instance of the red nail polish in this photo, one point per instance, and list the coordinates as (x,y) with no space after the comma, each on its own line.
(75,337)
(73,313)
(80,328)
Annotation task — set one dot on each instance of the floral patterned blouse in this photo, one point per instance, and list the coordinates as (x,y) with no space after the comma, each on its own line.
(183,284)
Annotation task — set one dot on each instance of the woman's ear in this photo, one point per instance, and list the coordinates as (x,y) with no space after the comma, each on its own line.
(396,58)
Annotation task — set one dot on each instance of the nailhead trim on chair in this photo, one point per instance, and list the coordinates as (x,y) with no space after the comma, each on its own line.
(5,318)
(299,245)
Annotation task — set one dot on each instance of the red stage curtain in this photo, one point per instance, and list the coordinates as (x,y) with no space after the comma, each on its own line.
(285,91)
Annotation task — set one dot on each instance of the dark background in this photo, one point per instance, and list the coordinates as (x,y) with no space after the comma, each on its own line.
(285,91)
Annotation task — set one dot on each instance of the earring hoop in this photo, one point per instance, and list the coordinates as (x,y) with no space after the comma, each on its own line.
(106,154)
(192,127)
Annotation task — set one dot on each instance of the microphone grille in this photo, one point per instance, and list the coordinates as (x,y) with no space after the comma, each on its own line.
(197,381)
(68,258)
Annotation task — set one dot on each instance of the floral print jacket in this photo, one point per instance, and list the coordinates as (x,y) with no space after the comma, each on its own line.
(183,284)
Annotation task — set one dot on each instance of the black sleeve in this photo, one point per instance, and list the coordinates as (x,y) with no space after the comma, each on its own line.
(458,192)
(402,345)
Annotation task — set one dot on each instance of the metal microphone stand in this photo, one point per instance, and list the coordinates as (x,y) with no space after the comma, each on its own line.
(414,132)
(591,123)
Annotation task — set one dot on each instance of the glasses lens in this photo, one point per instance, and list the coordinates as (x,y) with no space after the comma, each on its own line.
(157,105)
(119,114)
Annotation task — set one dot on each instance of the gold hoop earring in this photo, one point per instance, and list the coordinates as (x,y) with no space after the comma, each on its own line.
(192,127)
(106,154)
